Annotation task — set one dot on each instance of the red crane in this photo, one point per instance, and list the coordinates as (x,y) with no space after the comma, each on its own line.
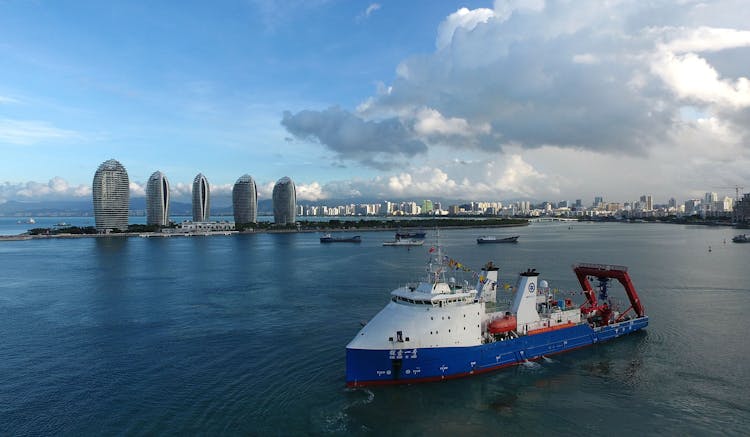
(603,272)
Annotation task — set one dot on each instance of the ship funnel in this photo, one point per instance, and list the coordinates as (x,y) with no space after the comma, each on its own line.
(524,303)
(487,283)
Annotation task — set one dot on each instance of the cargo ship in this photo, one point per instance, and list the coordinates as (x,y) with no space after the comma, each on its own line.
(491,239)
(328,238)
(438,328)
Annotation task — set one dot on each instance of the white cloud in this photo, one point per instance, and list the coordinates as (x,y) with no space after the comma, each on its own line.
(692,77)
(371,8)
(585,58)
(465,20)
(137,189)
(4,100)
(429,122)
(601,81)
(56,188)
(705,39)
(27,132)
(313,191)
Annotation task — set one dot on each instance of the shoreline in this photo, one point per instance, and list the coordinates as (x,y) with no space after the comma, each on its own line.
(24,237)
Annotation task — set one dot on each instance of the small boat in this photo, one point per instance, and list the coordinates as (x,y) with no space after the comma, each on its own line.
(29,221)
(414,235)
(491,239)
(404,242)
(742,238)
(328,238)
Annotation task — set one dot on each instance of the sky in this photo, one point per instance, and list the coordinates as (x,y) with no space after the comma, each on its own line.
(474,100)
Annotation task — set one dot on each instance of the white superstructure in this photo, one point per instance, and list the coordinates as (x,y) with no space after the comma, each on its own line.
(436,312)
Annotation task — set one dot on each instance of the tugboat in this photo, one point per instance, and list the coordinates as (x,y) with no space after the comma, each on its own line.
(440,329)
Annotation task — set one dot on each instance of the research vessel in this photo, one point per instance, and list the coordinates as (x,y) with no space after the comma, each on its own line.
(439,329)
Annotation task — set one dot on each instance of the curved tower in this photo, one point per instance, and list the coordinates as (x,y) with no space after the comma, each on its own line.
(201,199)
(245,200)
(111,192)
(284,201)
(157,200)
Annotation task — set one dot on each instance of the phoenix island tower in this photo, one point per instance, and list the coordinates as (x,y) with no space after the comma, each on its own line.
(284,202)
(245,200)
(157,200)
(201,199)
(111,192)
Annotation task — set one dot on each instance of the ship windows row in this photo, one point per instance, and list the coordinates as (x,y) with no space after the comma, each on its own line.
(426,302)
(414,301)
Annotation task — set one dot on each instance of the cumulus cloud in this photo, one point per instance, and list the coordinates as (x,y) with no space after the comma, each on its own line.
(56,188)
(379,144)
(692,77)
(602,77)
(465,20)
(313,191)
(494,179)
(183,191)
(137,189)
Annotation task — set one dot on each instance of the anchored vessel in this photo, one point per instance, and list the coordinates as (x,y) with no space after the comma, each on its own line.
(438,329)
(404,242)
(328,238)
(491,239)
(415,235)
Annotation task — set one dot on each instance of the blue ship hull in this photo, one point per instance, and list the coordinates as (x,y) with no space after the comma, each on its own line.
(404,366)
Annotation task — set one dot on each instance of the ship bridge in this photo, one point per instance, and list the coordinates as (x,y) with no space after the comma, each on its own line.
(436,294)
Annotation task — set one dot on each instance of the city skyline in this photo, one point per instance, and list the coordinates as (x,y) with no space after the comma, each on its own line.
(111,203)
(502,100)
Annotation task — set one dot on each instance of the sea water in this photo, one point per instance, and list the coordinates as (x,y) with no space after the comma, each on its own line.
(246,334)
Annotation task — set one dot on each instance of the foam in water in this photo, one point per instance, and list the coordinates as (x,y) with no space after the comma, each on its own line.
(339,421)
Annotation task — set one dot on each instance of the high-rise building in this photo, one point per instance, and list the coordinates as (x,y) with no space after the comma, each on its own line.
(742,210)
(111,193)
(201,199)
(157,200)
(284,201)
(245,200)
